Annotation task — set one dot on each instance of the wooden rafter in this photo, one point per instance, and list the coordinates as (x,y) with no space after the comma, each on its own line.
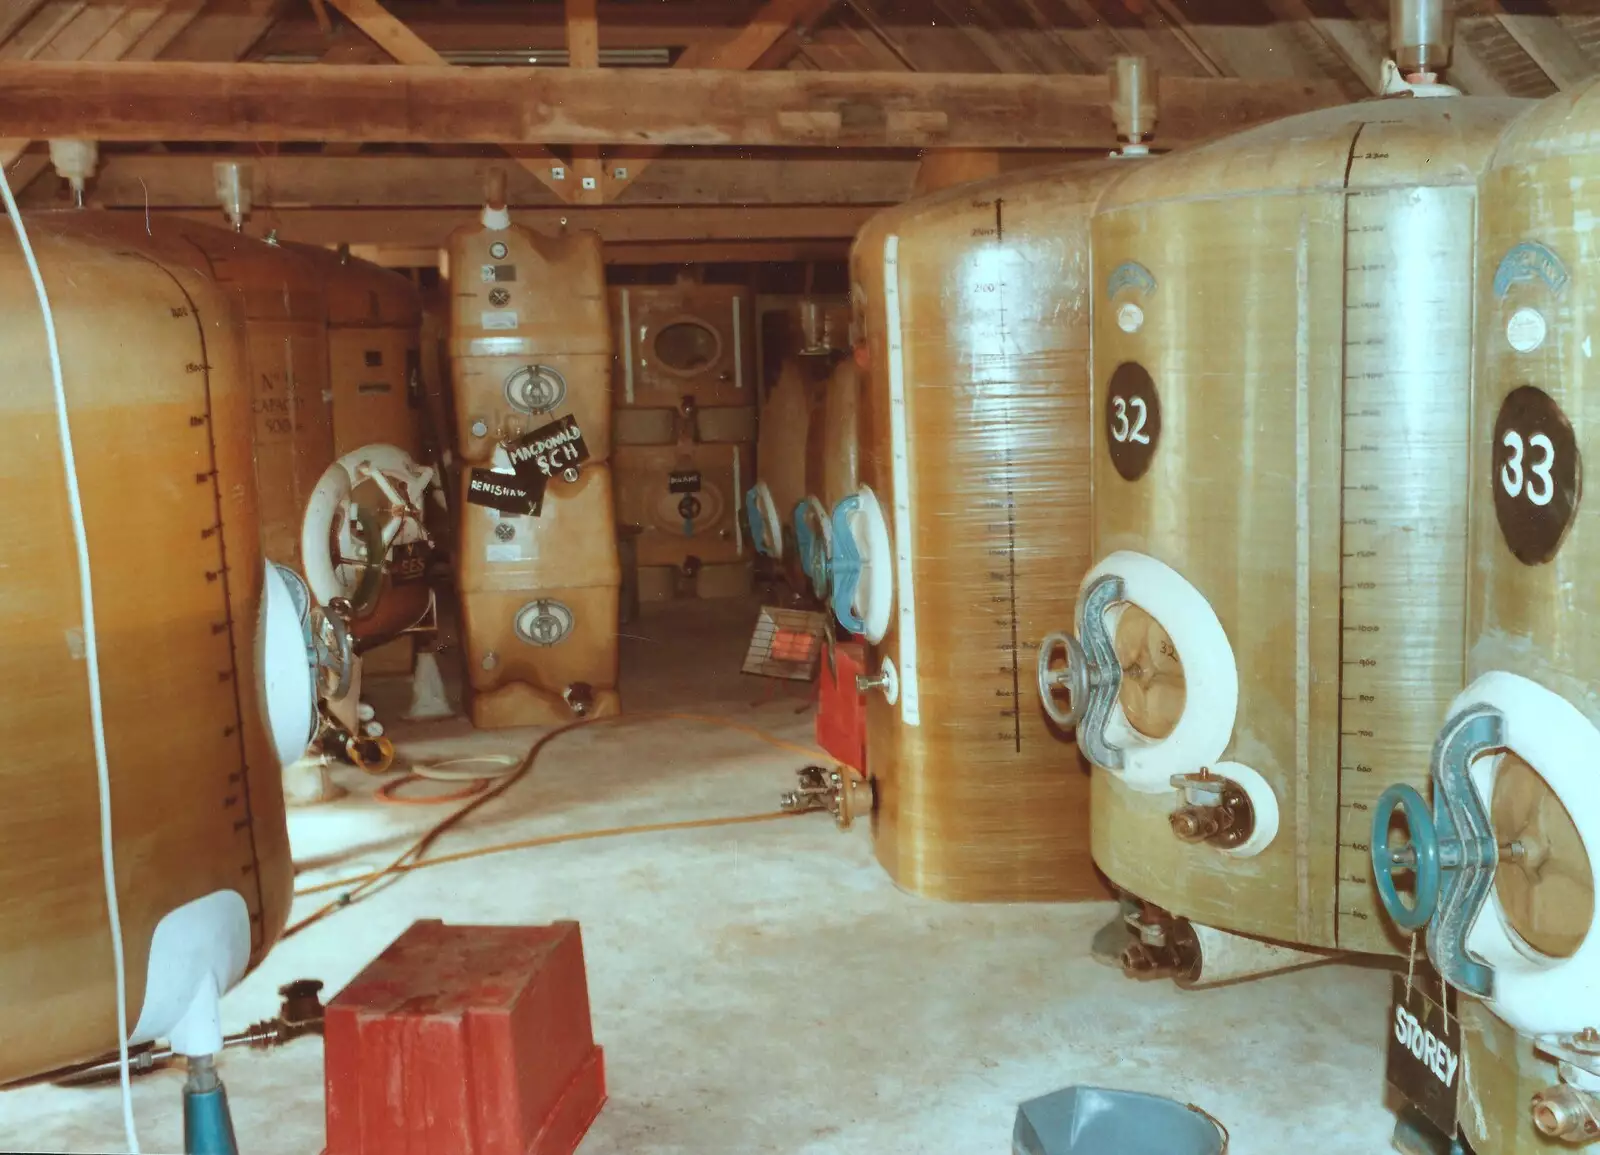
(223,30)
(615,223)
(663,253)
(408,48)
(751,47)
(105,34)
(518,26)
(399,104)
(1549,46)
(168,180)
(583,51)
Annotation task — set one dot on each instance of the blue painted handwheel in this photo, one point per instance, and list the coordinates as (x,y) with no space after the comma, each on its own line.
(758,523)
(846,566)
(1419,856)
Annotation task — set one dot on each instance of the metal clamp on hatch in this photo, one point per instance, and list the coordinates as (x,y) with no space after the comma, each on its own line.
(813,542)
(756,516)
(767,533)
(1450,852)
(1092,676)
(847,564)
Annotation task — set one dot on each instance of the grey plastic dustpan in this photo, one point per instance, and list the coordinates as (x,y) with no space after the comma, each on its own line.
(1095,1121)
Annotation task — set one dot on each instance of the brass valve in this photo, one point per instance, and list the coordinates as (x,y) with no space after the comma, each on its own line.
(1212,809)
(837,791)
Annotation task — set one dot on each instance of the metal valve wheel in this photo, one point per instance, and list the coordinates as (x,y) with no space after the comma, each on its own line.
(1419,856)
(1073,678)
(333,649)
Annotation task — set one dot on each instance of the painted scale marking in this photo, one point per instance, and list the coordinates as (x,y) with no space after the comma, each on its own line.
(900,459)
(236,789)
(1407,305)
(627,351)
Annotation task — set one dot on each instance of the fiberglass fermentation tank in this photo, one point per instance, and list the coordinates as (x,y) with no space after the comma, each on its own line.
(1275,615)
(286,319)
(962,543)
(154,365)
(1510,917)
(374,352)
(531,355)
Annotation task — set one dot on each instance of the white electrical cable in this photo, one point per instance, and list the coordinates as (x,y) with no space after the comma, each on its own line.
(91,654)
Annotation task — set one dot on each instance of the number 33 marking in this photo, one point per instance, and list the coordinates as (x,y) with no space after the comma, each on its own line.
(1541,488)
(1122,431)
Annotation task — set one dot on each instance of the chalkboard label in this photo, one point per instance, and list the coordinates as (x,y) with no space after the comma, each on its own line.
(1537,477)
(1133,419)
(507,492)
(408,563)
(683,481)
(1424,1056)
(553,450)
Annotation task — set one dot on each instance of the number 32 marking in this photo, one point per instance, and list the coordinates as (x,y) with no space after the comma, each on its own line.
(1122,431)
(1541,487)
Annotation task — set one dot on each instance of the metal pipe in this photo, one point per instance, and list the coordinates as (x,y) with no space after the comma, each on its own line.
(1421,33)
(1133,98)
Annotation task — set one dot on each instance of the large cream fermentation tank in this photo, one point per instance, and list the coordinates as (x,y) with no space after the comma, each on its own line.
(153,361)
(962,544)
(1275,615)
(1504,862)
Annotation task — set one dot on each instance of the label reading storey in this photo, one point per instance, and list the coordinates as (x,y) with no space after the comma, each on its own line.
(507,492)
(1424,1056)
(553,450)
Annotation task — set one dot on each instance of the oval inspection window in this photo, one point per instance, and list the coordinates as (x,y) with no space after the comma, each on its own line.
(687,347)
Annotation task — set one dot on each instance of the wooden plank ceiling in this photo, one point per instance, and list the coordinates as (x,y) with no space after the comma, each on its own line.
(784,190)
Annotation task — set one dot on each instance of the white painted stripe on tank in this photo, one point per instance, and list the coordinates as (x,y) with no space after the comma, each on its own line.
(1302,569)
(738,500)
(627,351)
(900,455)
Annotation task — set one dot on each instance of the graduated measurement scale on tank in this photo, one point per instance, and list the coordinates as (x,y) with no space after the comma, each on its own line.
(995,365)
(1407,356)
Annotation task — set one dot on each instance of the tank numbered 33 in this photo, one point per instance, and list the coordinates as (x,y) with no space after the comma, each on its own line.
(1537,475)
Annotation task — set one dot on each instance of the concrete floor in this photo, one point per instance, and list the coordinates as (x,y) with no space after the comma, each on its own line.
(764,987)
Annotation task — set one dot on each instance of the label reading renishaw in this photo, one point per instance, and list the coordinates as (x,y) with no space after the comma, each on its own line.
(1424,1057)
(683,481)
(553,450)
(507,492)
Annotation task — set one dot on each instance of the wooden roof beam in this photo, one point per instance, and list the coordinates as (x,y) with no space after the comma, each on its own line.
(167,180)
(390,103)
(653,224)
(775,20)
(409,48)
(1549,46)
(517,26)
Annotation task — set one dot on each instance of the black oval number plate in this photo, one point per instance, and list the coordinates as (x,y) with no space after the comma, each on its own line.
(1537,476)
(1133,419)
